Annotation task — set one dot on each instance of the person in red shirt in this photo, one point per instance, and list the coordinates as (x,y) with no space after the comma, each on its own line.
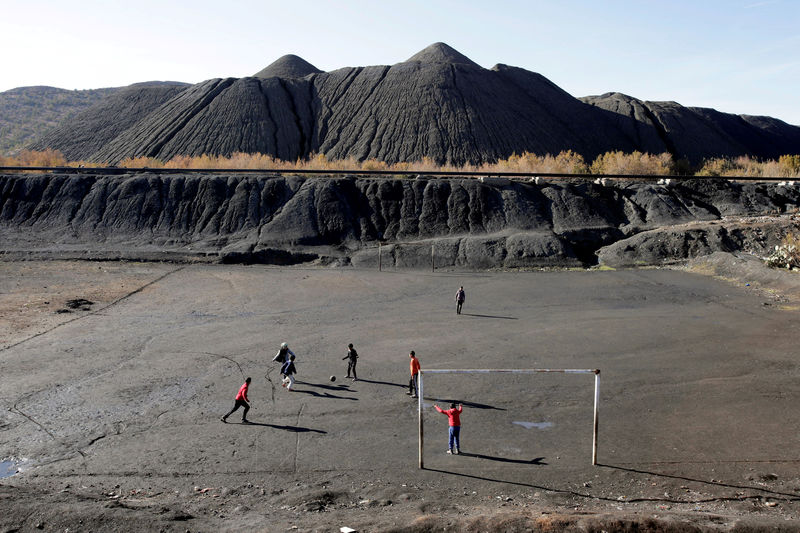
(454,419)
(412,383)
(241,401)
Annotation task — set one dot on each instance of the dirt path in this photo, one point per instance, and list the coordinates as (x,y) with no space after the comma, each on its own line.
(113,419)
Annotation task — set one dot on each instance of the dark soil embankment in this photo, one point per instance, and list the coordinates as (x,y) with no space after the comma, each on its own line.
(468,223)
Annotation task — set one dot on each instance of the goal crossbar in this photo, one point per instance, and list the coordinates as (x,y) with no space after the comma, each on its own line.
(594,371)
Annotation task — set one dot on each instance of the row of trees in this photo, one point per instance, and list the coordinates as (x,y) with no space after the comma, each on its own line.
(636,163)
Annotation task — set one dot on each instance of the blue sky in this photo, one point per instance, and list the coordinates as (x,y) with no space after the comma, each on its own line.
(735,56)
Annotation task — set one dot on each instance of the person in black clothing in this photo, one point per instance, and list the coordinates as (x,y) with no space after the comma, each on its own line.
(460,297)
(283,354)
(352,354)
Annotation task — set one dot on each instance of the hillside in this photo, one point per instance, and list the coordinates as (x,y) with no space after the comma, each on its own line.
(108,118)
(271,219)
(438,105)
(698,133)
(26,113)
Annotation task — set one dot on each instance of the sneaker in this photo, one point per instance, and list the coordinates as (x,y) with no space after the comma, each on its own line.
(414,396)
(456,451)
(449,452)
(224,419)
(245,421)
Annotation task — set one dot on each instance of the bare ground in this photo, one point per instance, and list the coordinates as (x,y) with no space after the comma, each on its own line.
(111,412)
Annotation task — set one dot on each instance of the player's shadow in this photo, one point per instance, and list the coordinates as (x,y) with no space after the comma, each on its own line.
(473,405)
(695,480)
(539,461)
(294,429)
(384,383)
(491,316)
(342,387)
(324,395)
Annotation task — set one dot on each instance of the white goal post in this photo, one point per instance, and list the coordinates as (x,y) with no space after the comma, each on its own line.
(595,371)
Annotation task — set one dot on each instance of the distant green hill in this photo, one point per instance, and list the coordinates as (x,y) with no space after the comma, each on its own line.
(28,112)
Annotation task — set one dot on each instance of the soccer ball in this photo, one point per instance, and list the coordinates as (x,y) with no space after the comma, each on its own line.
(333,378)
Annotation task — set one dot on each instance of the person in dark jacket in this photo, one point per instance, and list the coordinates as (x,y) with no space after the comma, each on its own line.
(460,297)
(287,371)
(352,355)
(283,354)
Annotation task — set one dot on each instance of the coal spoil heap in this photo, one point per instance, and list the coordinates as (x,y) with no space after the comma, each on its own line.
(438,105)
(80,137)
(468,223)
(288,66)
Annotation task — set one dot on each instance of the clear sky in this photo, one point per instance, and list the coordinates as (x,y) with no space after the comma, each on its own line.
(737,56)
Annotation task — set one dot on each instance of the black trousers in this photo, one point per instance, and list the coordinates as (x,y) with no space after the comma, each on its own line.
(412,384)
(240,403)
(351,367)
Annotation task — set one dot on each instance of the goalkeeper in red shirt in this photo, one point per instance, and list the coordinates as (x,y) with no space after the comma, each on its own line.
(454,420)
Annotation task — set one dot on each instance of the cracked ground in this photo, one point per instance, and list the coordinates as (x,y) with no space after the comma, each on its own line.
(111,413)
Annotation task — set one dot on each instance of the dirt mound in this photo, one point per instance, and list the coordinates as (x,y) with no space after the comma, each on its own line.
(342,220)
(698,133)
(438,104)
(288,66)
(87,132)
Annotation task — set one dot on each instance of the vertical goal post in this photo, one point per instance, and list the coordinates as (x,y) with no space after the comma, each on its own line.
(594,371)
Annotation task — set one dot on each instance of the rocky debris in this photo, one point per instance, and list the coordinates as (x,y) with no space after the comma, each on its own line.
(438,104)
(418,222)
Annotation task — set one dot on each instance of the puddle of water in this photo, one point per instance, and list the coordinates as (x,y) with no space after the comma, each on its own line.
(7,469)
(537,425)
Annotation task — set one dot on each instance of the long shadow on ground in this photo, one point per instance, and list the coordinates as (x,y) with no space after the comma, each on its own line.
(466,404)
(384,383)
(324,395)
(295,429)
(539,461)
(343,387)
(715,483)
(491,316)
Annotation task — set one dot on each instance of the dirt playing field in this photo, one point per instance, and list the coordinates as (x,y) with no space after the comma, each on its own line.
(110,412)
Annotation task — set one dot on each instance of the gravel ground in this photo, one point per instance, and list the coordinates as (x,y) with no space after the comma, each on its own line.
(110,412)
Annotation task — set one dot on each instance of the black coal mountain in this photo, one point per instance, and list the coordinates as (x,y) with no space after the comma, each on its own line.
(438,105)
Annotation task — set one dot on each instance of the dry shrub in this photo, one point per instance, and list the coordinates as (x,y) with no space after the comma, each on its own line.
(566,162)
(787,166)
(140,162)
(43,158)
(634,164)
